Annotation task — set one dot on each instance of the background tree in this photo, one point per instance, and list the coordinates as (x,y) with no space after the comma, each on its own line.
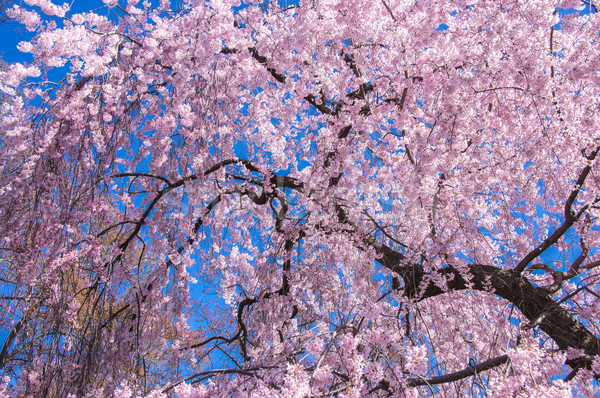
(319,198)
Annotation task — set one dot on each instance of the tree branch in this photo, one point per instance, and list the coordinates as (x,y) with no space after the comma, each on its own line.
(462,374)
(570,217)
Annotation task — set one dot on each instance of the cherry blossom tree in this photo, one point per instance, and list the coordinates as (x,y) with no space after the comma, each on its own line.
(302,199)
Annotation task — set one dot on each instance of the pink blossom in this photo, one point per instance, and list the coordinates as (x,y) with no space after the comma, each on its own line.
(314,198)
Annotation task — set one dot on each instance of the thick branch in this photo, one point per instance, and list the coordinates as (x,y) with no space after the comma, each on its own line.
(532,301)
(535,303)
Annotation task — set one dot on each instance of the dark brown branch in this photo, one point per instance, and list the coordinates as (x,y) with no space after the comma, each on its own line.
(344,131)
(243,335)
(108,229)
(9,341)
(227,162)
(549,241)
(280,77)
(535,303)
(570,218)
(286,182)
(349,60)
(171,186)
(138,225)
(221,338)
(403,98)
(168,264)
(579,184)
(256,199)
(383,231)
(389,10)
(585,250)
(311,99)
(532,301)
(360,93)
(462,374)
(82,83)
(276,180)
(214,372)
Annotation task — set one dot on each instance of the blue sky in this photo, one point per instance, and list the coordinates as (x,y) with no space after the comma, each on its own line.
(12,33)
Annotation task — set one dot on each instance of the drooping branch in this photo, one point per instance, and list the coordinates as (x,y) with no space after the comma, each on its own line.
(275,180)
(280,181)
(150,285)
